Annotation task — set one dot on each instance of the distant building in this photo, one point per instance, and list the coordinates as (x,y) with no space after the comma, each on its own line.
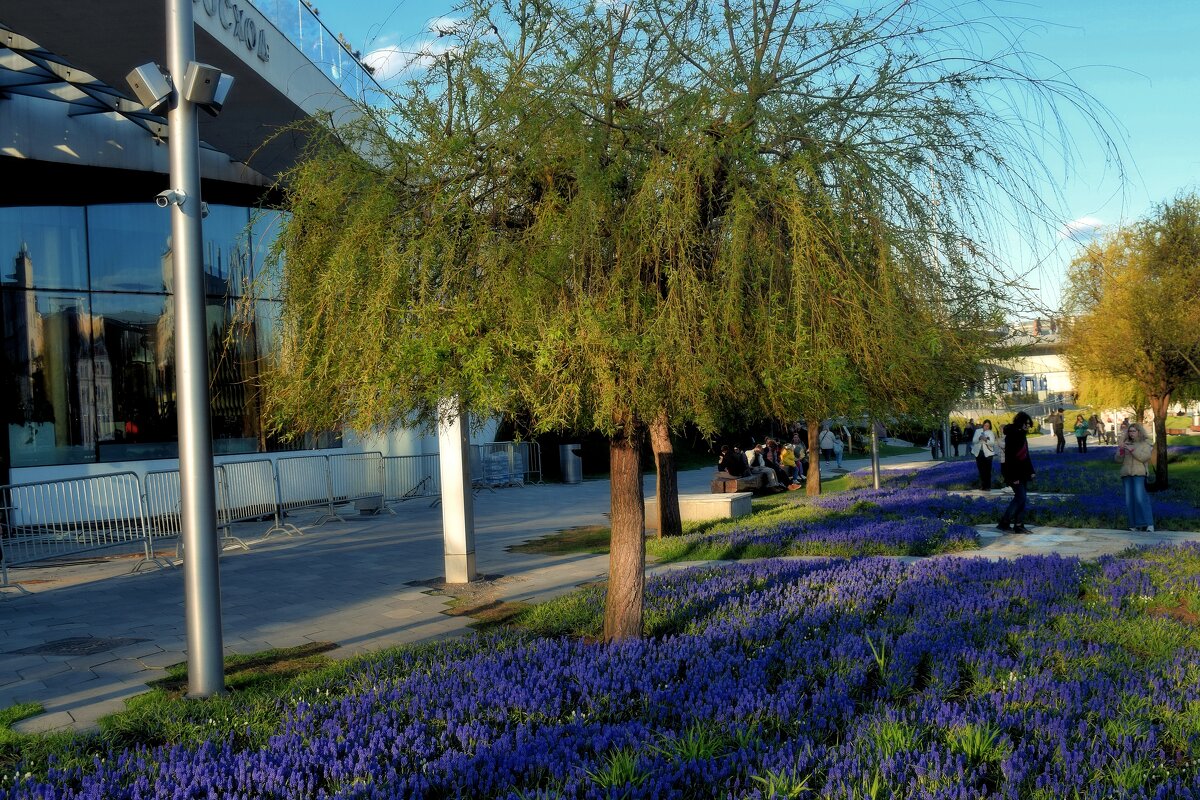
(1039,374)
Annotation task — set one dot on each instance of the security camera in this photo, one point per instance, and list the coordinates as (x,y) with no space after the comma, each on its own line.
(170,197)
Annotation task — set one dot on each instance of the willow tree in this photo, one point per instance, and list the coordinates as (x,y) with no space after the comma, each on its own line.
(610,216)
(1144,333)
(877,147)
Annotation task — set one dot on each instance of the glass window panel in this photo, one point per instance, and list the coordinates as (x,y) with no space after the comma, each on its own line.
(264,229)
(233,371)
(43,248)
(52,393)
(129,247)
(226,250)
(135,342)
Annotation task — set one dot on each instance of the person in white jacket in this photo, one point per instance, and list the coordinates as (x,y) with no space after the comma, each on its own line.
(983,447)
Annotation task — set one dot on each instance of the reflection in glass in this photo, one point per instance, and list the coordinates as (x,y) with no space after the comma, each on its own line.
(232,371)
(264,229)
(49,403)
(43,248)
(226,250)
(137,342)
(130,247)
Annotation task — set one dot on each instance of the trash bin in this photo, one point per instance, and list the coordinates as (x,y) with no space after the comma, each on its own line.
(570,462)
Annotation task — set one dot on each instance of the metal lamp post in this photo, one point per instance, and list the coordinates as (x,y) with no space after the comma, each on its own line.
(194,86)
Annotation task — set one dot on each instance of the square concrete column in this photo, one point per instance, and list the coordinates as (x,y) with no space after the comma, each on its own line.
(458,504)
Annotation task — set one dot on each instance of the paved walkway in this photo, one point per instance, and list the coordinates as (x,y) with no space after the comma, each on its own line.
(358,584)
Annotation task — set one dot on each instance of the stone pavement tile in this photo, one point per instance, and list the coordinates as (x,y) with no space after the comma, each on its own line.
(45,670)
(121,667)
(44,723)
(137,650)
(163,659)
(18,662)
(402,613)
(25,692)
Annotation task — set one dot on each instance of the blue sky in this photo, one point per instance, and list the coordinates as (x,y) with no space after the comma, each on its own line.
(1138,59)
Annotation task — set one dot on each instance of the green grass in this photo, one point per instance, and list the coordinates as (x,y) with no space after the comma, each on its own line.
(588,539)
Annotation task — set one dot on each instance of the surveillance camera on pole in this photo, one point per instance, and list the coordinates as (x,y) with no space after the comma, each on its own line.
(171,197)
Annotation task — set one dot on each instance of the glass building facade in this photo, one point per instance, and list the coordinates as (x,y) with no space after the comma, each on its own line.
(87,314)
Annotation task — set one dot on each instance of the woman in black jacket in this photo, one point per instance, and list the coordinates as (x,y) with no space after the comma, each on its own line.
(1017,470)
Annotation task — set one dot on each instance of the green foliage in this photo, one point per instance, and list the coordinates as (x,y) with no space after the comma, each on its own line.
(621,768)
(696,742)
(783,784)
(979,743)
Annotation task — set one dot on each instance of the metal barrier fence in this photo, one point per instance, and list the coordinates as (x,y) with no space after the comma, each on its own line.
(251,493)
(356,477)
(161,498)
(304,482)
(52,519)
(411,477)
(497,464)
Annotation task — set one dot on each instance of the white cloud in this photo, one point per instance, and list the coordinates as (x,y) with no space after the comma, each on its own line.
(1084,229)
(444,26)
(392,63)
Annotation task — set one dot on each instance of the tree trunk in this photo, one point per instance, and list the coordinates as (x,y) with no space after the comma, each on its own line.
(667,485)
(627,552)
(813,482)
(1158,404)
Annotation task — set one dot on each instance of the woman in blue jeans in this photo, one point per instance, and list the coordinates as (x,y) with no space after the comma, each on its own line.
(1134,454)
(1017,469)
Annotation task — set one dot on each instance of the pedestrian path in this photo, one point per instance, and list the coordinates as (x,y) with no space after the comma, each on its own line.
(90,635)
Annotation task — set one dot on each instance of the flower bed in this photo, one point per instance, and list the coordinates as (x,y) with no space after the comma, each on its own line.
(942,679)
(921,532)
(1091,478)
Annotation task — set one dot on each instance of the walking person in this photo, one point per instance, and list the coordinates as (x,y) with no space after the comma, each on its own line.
(839,448)
(1134,454)
(1082,429)
(825,442)
(1056,424)
(983,447)
(955,437)
(1017,469)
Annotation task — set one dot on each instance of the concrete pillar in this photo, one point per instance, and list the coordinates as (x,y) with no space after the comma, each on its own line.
(458,504)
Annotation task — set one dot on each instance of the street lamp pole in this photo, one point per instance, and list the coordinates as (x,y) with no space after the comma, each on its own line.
(202,585)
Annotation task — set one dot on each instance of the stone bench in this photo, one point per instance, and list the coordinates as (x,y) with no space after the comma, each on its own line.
(702,507)
(747,483)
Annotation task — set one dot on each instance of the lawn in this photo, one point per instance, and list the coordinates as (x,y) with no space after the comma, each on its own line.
(1040,678)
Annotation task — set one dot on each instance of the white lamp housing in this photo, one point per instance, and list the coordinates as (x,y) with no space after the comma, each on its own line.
(200,82)
(150,86)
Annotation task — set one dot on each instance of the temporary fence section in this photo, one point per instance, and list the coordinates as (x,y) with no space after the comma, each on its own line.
(53,519)
(162,499)
(304,482)
(252,493)
(356,478)
(497,464)
(411,477)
